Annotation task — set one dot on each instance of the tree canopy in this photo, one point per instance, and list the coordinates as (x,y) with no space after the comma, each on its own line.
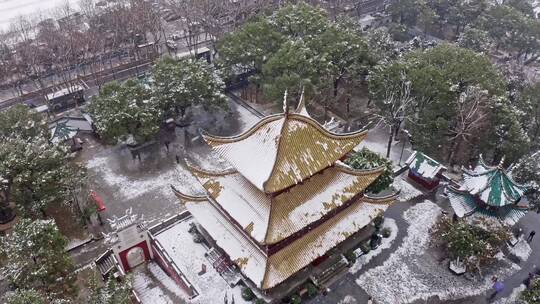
(178,84)
(125,109)
(438,78)
(297,48)
(36,258)
(476,244)
(36,174)
(25,296)
(112,292)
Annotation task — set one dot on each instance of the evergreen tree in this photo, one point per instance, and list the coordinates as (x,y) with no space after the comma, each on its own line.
(126,109)
(25,296)
(299,48)
(527,172)
(19,120)
(112,292)
(36,259)
(180,84)
(36,174)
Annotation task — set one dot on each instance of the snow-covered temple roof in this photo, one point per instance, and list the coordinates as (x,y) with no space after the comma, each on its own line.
(268,271)
(424,165)
(283,150)
(492,185)
(270,219)
(287,200)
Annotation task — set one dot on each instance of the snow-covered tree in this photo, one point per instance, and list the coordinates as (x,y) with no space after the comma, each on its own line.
(532,294)
(476,244)
(19,120)
(36,258)
(113,292)
(25,296)
(474,39)
(36,174)
(180,84)
(395,108)
(126,109)
(298,48)
(527,171)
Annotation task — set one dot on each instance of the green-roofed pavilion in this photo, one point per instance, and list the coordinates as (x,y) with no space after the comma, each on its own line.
(490,191)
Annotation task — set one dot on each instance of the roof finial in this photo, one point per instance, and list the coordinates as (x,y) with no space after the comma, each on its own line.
(301,102)
(501,163)
(285,105)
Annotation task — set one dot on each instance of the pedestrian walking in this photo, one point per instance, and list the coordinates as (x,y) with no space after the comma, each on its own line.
(529,280)
(370,300)
(531,236)
(497,287)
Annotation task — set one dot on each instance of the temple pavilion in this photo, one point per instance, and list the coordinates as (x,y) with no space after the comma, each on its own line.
(287,198)
(488,191)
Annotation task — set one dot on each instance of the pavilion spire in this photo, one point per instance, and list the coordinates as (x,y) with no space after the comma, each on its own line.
(285,105)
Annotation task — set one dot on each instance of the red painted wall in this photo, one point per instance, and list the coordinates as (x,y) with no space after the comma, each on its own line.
(170,271)
(123,254)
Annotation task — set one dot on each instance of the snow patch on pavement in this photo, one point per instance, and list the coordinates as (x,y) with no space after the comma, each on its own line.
(412,272)
(385,243)
(522,250)
(148,291)
(169,283)
(132,188)
(513,297)
(407,191)
(348,300)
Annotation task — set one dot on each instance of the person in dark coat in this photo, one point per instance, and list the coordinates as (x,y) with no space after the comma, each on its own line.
(531,236)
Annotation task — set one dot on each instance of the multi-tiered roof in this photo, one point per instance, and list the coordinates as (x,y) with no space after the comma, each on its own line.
(287,199)
(489,190)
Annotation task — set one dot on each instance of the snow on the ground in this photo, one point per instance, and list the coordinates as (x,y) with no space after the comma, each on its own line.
(413,273)
(189,257)
(385,243)
(513,297)
(164,279)
(76,243)
(246,118)
(522,250)
(407,191)
(377,141)
(212,162)
(128,188)
(148,291)
(348,300)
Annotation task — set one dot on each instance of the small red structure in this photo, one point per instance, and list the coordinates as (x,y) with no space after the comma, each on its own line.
(98,200)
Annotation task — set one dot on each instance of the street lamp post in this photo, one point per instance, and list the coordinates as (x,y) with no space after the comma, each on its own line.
(405,132)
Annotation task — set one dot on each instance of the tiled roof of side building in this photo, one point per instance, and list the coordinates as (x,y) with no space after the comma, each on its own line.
(270,219)
(424,165)
(283,150)
(269,271)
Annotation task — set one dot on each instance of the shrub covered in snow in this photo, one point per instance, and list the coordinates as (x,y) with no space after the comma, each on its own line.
(365,247)
(532,295)
(311,290)
(477,245)
(366,159)
(378,221)
(350,256)
(247,294)
(295,299)
(386,232)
